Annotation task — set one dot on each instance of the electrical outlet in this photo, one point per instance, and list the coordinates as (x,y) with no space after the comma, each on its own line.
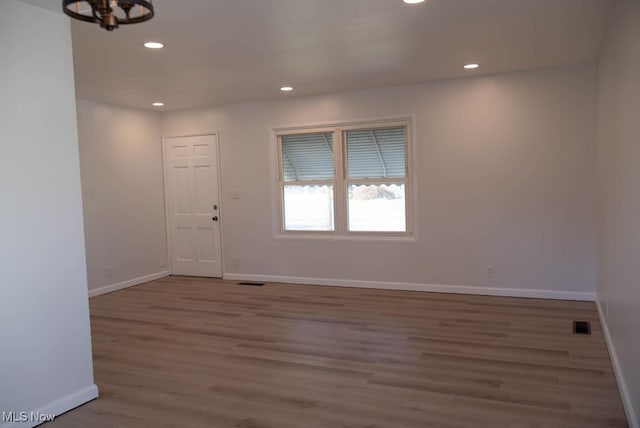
(109,271)
(236,261)
(490,271)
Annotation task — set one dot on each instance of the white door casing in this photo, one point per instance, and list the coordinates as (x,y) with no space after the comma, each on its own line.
(192,205)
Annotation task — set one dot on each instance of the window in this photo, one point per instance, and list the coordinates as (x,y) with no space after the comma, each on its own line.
(343,180)
(308,180)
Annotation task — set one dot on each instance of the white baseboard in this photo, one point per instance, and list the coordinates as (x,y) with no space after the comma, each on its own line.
(407,286)
(617,369)
(126,284)
(57,407)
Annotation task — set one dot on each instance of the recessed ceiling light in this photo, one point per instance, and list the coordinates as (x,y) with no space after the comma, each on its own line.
(413,1)
(157,104)
(154,45)
(471,66)
(286,88)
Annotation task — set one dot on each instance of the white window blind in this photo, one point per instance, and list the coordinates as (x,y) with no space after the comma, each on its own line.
(307,157)
(376,153)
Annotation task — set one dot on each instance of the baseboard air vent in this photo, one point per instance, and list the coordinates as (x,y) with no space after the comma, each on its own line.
(254,284)
(581,327)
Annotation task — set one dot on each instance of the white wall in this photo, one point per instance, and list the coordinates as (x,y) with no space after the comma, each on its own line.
(619,194)
(122,192)
(505,178)
(45,357)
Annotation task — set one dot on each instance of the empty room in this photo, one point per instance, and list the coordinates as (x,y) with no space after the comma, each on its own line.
(320,213)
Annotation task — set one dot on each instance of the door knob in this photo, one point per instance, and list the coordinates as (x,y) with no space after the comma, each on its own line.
(214,218)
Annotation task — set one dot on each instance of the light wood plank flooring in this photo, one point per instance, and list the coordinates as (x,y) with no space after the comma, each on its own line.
(193,352)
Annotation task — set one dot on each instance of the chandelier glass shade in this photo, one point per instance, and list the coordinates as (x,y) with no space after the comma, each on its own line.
(110,14)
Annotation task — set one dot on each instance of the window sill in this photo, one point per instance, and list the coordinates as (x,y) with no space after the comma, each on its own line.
(357,238)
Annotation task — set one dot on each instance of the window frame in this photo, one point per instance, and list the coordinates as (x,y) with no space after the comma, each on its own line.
(282,183)
(341,182)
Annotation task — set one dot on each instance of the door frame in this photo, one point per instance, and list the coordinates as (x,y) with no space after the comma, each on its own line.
(165,175)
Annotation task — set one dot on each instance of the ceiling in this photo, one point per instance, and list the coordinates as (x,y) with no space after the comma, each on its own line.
(228,51)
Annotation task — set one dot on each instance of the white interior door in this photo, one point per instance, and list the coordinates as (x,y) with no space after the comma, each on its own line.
(193,207)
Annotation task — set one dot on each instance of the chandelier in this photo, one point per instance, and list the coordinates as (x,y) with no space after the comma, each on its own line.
(109,13)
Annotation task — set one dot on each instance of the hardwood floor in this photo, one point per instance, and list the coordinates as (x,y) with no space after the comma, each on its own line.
(193,352)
